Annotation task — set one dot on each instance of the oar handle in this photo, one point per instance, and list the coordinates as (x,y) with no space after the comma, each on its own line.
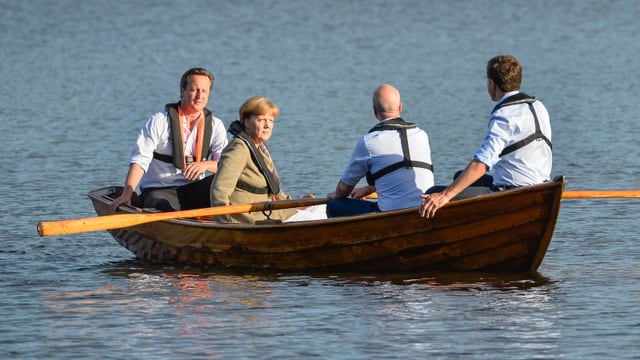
(117,221)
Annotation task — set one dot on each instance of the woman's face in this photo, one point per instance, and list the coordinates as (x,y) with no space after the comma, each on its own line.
(259,127)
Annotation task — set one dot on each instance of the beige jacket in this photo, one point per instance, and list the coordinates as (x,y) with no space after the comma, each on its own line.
(236,165)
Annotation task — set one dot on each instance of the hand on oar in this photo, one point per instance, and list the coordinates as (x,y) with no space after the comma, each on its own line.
(363,192)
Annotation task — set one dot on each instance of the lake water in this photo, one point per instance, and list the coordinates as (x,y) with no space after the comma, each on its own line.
(79,78)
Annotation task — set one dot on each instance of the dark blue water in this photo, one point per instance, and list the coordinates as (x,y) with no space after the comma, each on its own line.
(78,79)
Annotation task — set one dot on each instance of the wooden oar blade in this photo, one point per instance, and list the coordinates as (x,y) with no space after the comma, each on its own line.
(117,221)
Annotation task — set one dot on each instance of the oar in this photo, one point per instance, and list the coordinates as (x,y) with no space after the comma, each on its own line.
(592,194)
(117,221)
(579,194)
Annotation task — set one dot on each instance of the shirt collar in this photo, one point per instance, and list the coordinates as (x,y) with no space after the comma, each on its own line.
(510,93)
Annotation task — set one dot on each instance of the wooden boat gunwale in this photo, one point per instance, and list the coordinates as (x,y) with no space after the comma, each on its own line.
(102,193)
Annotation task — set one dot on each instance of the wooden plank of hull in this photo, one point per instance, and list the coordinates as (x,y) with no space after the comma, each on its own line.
(505,232)
(442,246)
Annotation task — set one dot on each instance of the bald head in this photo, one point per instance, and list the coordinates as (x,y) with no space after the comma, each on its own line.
(386,102)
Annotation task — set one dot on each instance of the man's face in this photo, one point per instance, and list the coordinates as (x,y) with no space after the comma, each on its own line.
(196,94)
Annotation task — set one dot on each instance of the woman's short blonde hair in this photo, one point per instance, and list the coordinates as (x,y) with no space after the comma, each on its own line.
(258,105)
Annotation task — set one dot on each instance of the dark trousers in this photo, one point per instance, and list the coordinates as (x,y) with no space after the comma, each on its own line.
(482,186)
(350,207)
(195,195)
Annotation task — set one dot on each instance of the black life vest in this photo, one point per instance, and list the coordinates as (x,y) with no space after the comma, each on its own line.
(397,124)
(178,158)
(273,183)
(522,98)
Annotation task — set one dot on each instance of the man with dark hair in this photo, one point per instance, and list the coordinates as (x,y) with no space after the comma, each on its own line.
(176,149)
(517,147)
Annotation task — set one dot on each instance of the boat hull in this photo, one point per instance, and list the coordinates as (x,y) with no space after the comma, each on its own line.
(502,232)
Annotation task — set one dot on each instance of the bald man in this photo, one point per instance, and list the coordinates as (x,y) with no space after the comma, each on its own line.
(394,157)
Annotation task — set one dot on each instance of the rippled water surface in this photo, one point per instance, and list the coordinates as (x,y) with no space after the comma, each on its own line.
(80,78)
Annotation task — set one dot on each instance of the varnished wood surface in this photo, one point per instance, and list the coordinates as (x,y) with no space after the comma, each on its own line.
(507,232)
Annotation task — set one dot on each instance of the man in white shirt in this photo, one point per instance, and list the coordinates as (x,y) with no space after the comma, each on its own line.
(517,147)
(175,150)
(394,156)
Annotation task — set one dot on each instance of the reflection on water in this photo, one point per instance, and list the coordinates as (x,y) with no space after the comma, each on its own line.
(447,280)
(213,311)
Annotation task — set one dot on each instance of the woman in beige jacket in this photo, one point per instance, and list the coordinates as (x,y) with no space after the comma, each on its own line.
(246,172)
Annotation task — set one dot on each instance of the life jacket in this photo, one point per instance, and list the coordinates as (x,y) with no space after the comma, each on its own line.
(273,182)
(397,124)
(522,98)
(178,158)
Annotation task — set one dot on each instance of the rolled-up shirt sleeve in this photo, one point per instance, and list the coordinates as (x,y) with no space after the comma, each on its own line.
(149,141)
(496,140)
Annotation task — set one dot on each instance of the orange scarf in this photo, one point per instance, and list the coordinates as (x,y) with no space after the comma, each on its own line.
(198,154)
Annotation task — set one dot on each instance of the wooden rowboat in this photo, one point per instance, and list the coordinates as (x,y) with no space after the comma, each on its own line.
(501,232)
